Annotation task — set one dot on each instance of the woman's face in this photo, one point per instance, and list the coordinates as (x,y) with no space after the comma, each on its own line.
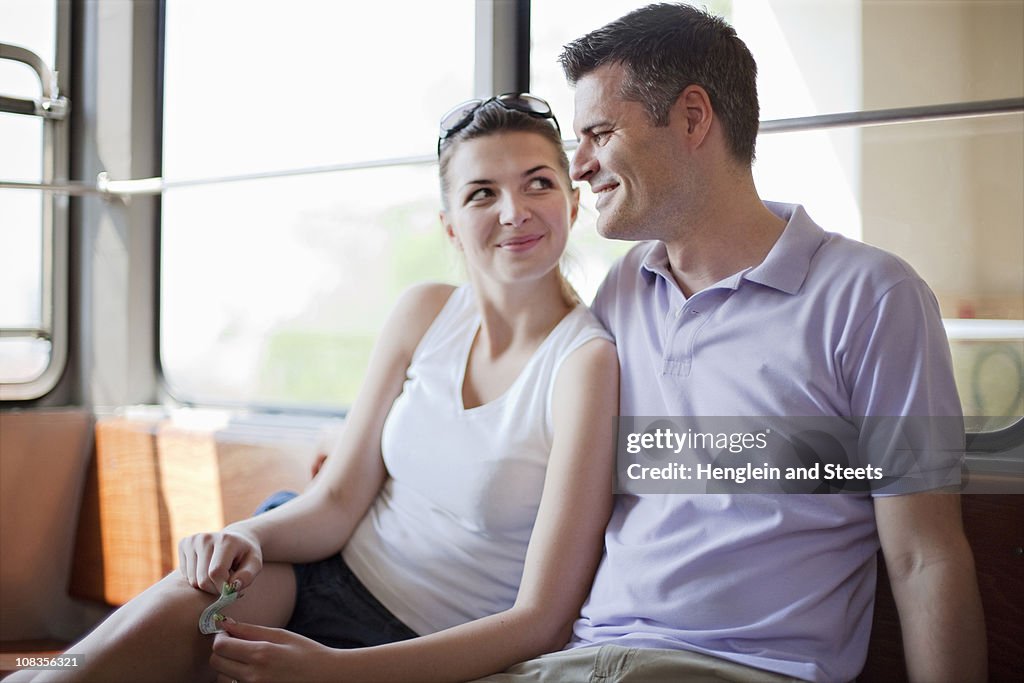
(510,206)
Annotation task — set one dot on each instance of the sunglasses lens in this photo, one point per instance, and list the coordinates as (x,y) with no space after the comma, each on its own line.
(526,103)
(457,116)
(461,115)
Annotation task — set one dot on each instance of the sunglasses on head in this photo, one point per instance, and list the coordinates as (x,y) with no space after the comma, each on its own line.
(461,115)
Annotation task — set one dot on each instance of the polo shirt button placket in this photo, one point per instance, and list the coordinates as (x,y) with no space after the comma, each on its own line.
(674,324)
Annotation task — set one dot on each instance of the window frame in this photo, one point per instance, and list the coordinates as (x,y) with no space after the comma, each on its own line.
(55,217)
(502,63)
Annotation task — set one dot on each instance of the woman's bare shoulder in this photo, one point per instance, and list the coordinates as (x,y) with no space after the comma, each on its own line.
(416,309)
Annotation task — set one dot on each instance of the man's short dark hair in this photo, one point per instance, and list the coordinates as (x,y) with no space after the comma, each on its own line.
(664,48)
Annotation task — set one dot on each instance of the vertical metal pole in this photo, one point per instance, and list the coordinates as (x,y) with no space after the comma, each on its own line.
(502,47)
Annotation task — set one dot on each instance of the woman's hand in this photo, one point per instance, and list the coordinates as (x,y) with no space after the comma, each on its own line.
(209,560)
(257,654)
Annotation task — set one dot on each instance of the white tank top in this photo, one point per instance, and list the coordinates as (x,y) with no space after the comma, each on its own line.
(445,541)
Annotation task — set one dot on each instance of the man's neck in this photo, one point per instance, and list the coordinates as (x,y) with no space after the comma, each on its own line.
(724,238)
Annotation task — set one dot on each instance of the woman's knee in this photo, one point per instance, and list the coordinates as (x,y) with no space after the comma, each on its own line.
(169,604)
(269,600)
(173,604)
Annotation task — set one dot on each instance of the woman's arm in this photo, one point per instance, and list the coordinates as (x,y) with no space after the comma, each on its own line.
(320,521)
(560,563)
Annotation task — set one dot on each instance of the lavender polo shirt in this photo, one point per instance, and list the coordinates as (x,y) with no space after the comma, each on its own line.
(824,326)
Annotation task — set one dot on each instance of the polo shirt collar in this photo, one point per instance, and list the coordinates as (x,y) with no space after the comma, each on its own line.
(655,263)
(784,268)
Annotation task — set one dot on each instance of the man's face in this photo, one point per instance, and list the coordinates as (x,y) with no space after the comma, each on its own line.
(636,169)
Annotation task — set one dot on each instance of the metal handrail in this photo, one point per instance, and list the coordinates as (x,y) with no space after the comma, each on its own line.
(104,186)
(52,105)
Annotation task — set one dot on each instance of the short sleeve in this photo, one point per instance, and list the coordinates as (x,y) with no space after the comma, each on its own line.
(899,373)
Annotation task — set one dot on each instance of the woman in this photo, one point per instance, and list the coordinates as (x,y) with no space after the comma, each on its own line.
(468,501)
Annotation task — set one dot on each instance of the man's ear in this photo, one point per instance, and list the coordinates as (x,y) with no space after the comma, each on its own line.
(449,230)
(693,108)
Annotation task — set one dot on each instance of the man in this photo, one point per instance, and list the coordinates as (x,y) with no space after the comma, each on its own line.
(732,306)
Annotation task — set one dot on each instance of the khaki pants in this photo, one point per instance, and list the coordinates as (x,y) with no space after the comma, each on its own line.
(616,664)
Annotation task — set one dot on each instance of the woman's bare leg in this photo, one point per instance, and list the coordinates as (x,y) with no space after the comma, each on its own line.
(155,637)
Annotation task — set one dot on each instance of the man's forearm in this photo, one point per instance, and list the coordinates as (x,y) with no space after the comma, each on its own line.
(942,620)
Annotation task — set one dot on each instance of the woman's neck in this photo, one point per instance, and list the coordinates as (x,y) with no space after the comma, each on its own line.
(520,315)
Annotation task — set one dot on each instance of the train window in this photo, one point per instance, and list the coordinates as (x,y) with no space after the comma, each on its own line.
(553,24)
(273,290)
(31,337)
(944,195)
(283,301)
(823,57)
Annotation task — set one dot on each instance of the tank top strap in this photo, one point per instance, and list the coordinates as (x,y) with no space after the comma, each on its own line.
(448,330)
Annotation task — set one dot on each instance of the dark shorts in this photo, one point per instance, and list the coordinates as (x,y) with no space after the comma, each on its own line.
(333,608)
